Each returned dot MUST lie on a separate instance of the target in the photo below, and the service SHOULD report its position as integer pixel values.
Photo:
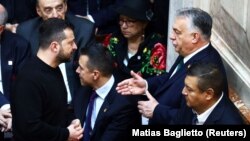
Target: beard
(63, 58)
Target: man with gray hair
(191, 38)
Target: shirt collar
(104, 90)
(203, 117)
(194, 53)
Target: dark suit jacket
(224, 113)
(117, 115)
(14, 52)
(102, 11)
(83, 31)
(168, 91)
(20, 10)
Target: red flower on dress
(106, 40)
(158, 57)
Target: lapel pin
(105, 110)
(10, 63)
(139, 57)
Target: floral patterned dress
(150, 59)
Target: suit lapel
(81, 101)
(217, 112)
(197, 57)
(171, 80)
(175, 64)
(7, 54)
(105, 107)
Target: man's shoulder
(10, 37)
(78, 21)
(207, 54)
(29, 25)
(31, 68)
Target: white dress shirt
(203, 117)
(190, 56)
(102, 92)
(62, 67)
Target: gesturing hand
(133, 86)
(146, 108)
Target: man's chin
(66, 60)
(83, 84)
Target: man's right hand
(11, 27)
(75, 130)
(4, 122)
(132, 86)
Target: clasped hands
(5, 120)
(75, 130)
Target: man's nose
(54, 13)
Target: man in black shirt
(39, 99)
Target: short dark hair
(200, 20)
(99, 58)
(209, 76)
(52, 30)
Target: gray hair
(3, 15)
(199, 20)
(37, 1)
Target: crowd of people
(58, 82)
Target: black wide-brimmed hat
(136, 9)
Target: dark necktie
(180, 65)
(87, 128)
(194, 119)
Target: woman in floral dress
(134, 47)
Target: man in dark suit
(205, 99)
(83, 31)
(113, 115)
(19, 10)
(191, 39)
(14, 52)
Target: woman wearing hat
(134, 47)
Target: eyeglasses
(128, 22)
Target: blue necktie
(87, 128)
(194, 119)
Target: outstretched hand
(146, 108)
(132, 86)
